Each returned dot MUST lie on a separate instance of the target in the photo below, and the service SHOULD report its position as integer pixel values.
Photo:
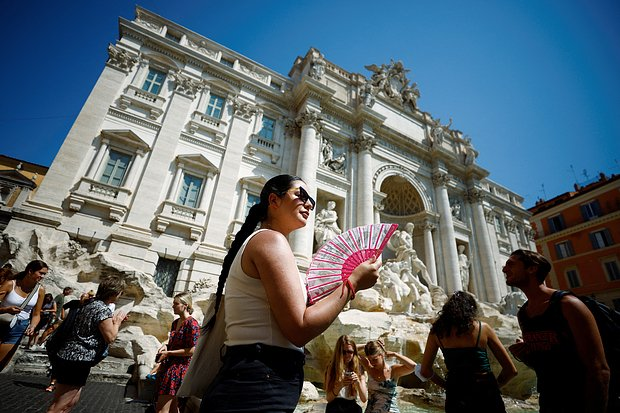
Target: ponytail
(257, 213)
(277, 185)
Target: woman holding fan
(267, 320)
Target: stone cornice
(340, 110)
(187, 54)
(128, 117)
(364, 114)
(202, 143)
(310, 88)
(334, 180)
(271, 169)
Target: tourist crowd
(267, 322)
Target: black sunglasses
(304, 196)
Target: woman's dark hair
(110, 287)
(34, 265)
(458, 312)
(6, 274)
(48, 298)
(277, 185)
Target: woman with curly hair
(345, 379)
(463, 340)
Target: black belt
(262, 351)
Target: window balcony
(113, 198)
(135, 96)
(209, 124)
(266, 146)
(182, 216)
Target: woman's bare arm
(509, 371)
(269, 256)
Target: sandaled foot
(50, 388)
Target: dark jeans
(256, 378)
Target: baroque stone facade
(179, 134)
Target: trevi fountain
(399, 309)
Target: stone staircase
(35, 362)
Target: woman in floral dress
(176, 355)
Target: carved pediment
(125, 137)
(197, 161)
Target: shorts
(71, 373)
(14, 335)
(256, 378)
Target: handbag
(9, 320)
(207, 359)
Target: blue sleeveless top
(466, 360)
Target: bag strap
(558, 295)
(27, 299)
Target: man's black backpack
(608, 322)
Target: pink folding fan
(334, 262)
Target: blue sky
(534, 83)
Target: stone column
(448, 239)
(94, 166)
(176, 181)
(307, 162)
(203, 100)
(485, 252)
(429, 248)
(147, 197)
(63, 173)
(241, 204)
(363, 146)
(136, 166)
(206, 192)
(217, 227)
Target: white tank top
(249, 318)
(14, 299)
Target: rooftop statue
(391, 79)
